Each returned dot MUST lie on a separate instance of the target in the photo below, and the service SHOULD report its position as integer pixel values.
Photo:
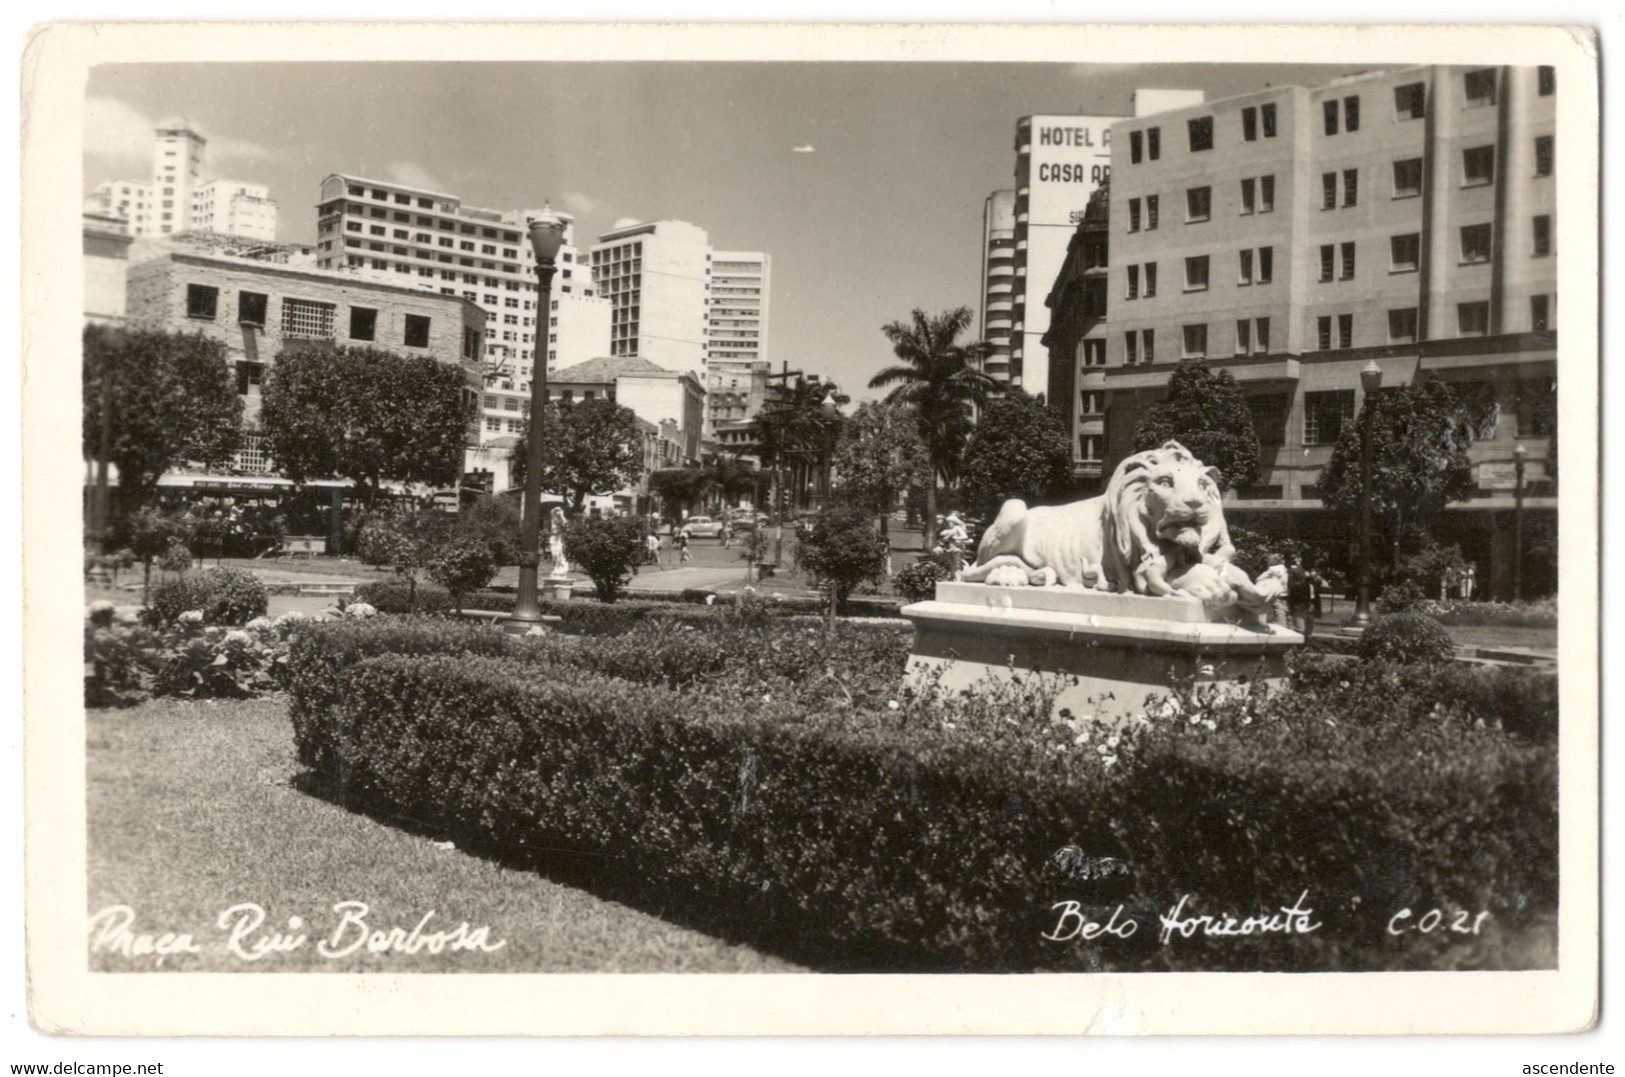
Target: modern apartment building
(178, 199)
(1076, 340)
(657, 278)
(431, 241)
(737, 359)
(998, 281)
(1295, 234)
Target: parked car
(703, 527)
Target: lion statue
(1158, 529)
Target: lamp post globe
(1370, 384)
(546, 237)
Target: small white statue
(555, 543)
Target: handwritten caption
(1076, 923)
(241, 931)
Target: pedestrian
(1300, 597)
(1468, 580)
(651, 546)
(725, 534)
(955, 541)
(682, 545)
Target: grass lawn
(1503, 636)
(193, 809)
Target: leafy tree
(365, 415)
(462, 564)
(842, 550)
(592, 447)
(608, 549)
(1420, 434)
(940, 378)
(150, 533)
(677, 488)
(403, 538)
(880, 458)
(1020, 448)
(795, 429)
(495, 522)
(173, 400)
(730, 477)
(1206, 413)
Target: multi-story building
(1295, 234)
(657, 277)
(737, 359)
(106, 247)
(179, 200)
(1060, 160)
(1077, 340)
(257, 308)
(998, 282)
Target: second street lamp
(1518, 455)
(546, 237)
(1370, 382)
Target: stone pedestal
(556, 588)
(1113, 650)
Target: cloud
(808, 148)
(236, 149)
(412, 174)
(115, 131)
(580, 203)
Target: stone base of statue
(1109, 651)
(556, 588)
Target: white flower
(238, 638)
(1108, 760)
(1206, 671)
(289, 618)
(709, 599)
(258, 624)
(102, 607)
(1081, 738)
(191, 617)
(767, 698)
(1113, 740)
(1211, 725)
(360, 609)
(891, 704)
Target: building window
(249, 376)
(1409, 101)
(1323, 333)
(305, 318)
(1094, 353)
(1475, 243)
(1148, 345)
(1150, 212)
(201, 301)
(363, 323)
(1328, 190)
(1351, 186)
(1261, 334)
(1325, 414)
(1092, 402)
(1201, 130)
(1246, 275)
(1195, 341)
(1249, 125)
(1543, 155)
(1402, 326)
(1472, 319)
(1133, 283)
(1243, 336)
(1408, 177)
(251, 308)
(1329, 109)
(1089, 448)
(1479, 87)
(1196, 273)
(1130, 347)
(1547, 79)
(1405, 253)
(1348, 261)
(1246, 197)
(1539, 313)
(1198, 204)
(1345, 330)
(417, 331)
(1327, 257)
(1351, 113)
(1478, 166)
(1135, 141)
(1153, 142)
(1269, 415)
(1266, 264)
(1134, 215)
(1150, 280)
(1266, 113)
(1543, 237)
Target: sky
(865, 182)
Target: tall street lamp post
(1370, 382)
(546, 237)
(831, 413)
(1518, 455)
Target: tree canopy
(678, 487)
(366, 415)
(1206, 413)
(1020, 448)
(1420, 435)
(941, 379)
(174, 401)
(592, 447)
(880, 457)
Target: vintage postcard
(786, 530)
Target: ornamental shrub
(1406, 638)
(396, 596)
(918, 582)
(461, 565)
(126, 664)
(842, 550)
(232, 596)
(1402, 597)
(608, 549)
(171, 597)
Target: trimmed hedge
(863, 831)
(1406, 638)
(225, 596)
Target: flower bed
(827, 811)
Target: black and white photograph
(721, 516)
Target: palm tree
(941, 379)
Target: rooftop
(609, 367)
